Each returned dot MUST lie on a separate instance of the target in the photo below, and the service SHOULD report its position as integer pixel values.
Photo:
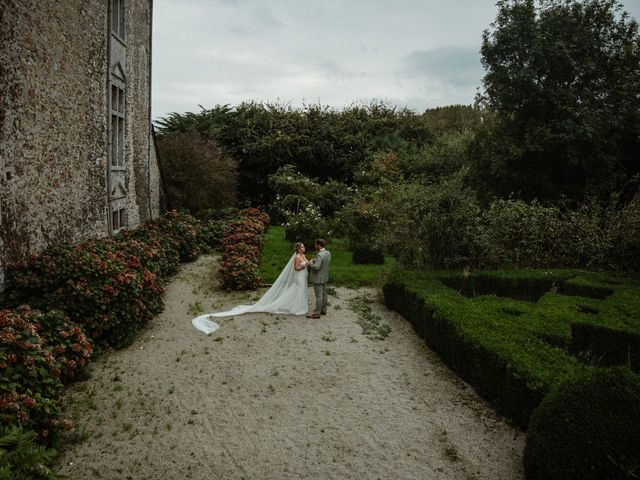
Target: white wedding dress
(288, 295)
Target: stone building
(77, 158)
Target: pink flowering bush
(103, 289)
(241, 249)
(30, 376)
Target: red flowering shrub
(245, 225)
(156, 253)
(214, 226)
(238, 273)
(67, 342)
(241, 249)
(254, 240)
(30, 386)
(256, 214)
(107, 292)
(179, 231)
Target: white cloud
(420, 53)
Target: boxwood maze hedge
(514, 335)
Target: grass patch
(277, 252)
(372, 327)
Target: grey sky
(419, 53)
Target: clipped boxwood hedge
(512, 350)
(367, 255)
(587, 428)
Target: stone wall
(53, 122)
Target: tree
(197, 173)
(562, 96)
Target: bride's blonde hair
(296, 246)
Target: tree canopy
(563, 84)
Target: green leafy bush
(520, 234)
(22, 458)
(429, 225)
(306, 227)
(587, 428)
(368, 255)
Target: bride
(288, 294)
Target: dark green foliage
(321, 142)
(214, 224)
(22, 459)
(587, 428)
(451, 118)
(429, 225)
(606, 346)
(368, 255)
(197, 173)
(562, 97)
(513, 351)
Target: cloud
(455, 66)
(263, 16)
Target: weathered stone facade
(56, 69)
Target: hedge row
(514, 351)
(241, 249)
(97, 295)
(541, 361)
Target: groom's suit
(318, 277)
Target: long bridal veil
(286, 295)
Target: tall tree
(562, 89)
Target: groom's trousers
(320, 291)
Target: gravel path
(281, 397)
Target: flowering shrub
(305, 226)
(252, 239)
(256, 214)
(107, 292)
(245, 225)
(238, 273)
(156, 254)
(179, 231)
(30, 386)
(69, 345)
(241, 249)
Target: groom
(318, 277)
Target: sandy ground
(280, 397)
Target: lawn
(343, 271)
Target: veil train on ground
(282, 297)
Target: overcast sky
(418, 53)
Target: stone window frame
(118, 19)
(118, 219)
(118, 108)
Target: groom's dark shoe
(313, 315)
(323, 313)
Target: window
(118, 220)
(117, 126)
(117, 18)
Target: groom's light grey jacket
(320, 267)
